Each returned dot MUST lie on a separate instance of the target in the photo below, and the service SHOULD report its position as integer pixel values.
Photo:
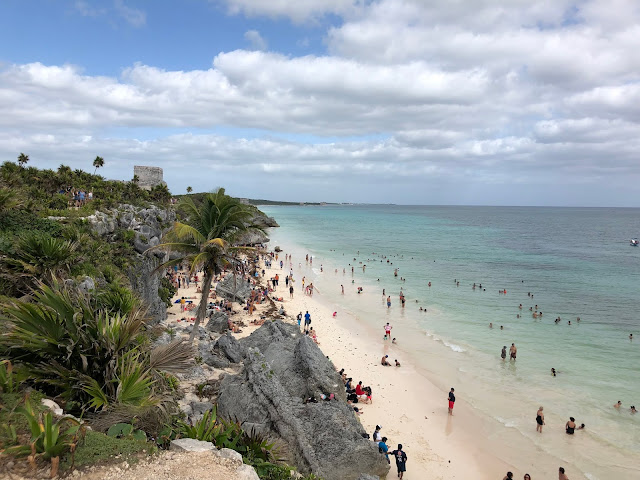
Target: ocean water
(575, 262)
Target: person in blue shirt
(383, 448)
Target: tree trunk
(204, 300)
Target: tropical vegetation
(206, 239)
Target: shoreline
(412, 403)
(411, 412)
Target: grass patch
(9, 401)
(99, 448)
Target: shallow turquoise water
(575, 262)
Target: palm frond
(174, 357)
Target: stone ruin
(148, 177)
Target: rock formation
(234, 288)
(281, 368)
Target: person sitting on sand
(397, 363)
(394, 340)
(384, 361)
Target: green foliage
(42, 256)
(48, 438)
(206, 239)
(59, 202)
(10, 378)
(123, 430)
(98, 447)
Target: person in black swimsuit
(539, 420)
(571, 427)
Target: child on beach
(452, 401)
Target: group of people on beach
(561, 475)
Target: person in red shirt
(359, 390)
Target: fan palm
(98, 163)
(42, 256)
(85, 350)
(207, 239)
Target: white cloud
(133, 16)
(488, 94)
(255, 40)
(298, 10)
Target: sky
(471, 102)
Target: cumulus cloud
(255, 40)
(479, 95)
(133, 16)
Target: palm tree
(189, 189)
(23, 159)
(98, 163)
(135, 179)
(207, 239)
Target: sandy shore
(410, 409)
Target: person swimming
(553, 372)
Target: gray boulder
(212, 358)
(190, 445)
(364, 476)
(228, 346)
(234, 288)
(218, 323)
(87, 285)
(324, 438)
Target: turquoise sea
(576, 262)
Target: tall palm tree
(189, 189)
(23, 159)
(207, 239)
(98, 163)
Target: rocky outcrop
(234, 288)
(221, 354)
(146, 284)
(258, 237)
(148, 224)
(281, 368)
(218, 322)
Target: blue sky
(404, 101)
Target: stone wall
(148, 177)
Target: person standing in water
(539, 420)
(513, 352)
(503, 354)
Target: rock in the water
(234, 288)
(324, 438)
(190, 445)
(218, 323)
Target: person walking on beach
(389, 302)
(307, 321)
(512, 352)
(401, 460)
(452, 401)
(539, 420)
(291, 291)
(561, 474)
(299, 318)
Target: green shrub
(98, 447)
(124, 430)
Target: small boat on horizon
(634, 242)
